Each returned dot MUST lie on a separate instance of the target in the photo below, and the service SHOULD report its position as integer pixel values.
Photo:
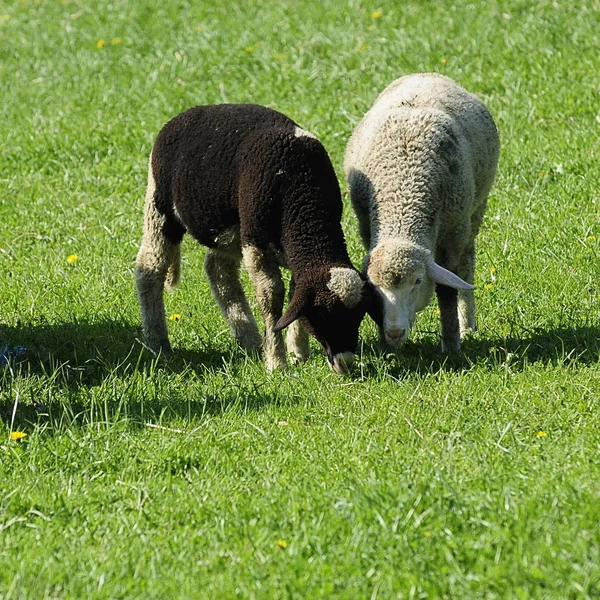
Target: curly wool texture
(392, 262)
(246, 181)
(420, 166)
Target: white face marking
(299, 132)
(342, 362)
(346, 284)
(400, 306)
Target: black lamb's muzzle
(339, 362)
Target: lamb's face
(331, 304)
(398, 272)
(334, 317)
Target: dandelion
(175, 317)
(282, 544)
(249, 49)
(115, 41)
(591, 238)
(17, 436)
(100, 44)
(427, 534)
(197, 28)
(436, 311)
(377, 14)
(444, 61)
(362, 47)
(72, 259)
(488, 287)
(542, 434)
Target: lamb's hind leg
(157, 260)
(296, 338)
(222, 270)
(263, 269)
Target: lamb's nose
(396, 335)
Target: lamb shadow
(86, 353)
(559, 346)
(72, 356)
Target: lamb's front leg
(466, 298)
(296, 338)
(447, 301)
(265, 276)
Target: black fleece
(241, 165)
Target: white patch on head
(299, 132)
(400, 307)
(342, 362)
(346, 284)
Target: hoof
(275, 365)
(298, 358)
(450, 346)
(248, 340)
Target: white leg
(155, 258)
(222, 270)
(270, 292)
(296, 338)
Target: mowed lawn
(419, 476)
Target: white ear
(438, 274)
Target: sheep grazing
(420, 166)
(249, 184)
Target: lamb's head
(404, 274)
(331, 303)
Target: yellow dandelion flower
(175, 317)
(249, 49)
(17, 436)
(197, 28)
(542, 434)
(100, 44)
(444, 61)
(72, 259)
(436, 311)
(427, 534)
(116, 41)
(377, 14)
(493, 270)
(281, 544)
(488, 286)
(591, 238)
(362, 47)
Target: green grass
(204, 477)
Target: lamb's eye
(418, 281)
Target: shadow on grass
(75, 358)
(88, 352)
(560, 346)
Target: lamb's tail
(174, 270)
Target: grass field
(419, 476)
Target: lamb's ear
(301, 299)
(438, 274)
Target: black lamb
(246, 182)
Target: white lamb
(420, 166)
